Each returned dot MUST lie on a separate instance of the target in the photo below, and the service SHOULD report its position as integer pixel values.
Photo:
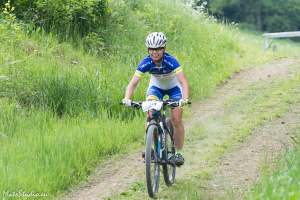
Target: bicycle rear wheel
(152, 161)
(169, 169)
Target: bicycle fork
(161, 142)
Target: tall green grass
(42, 153)
(47, 74)
(60, 112)
(283, 183)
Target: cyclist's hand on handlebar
(183, 102)
(126, 102)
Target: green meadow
(59, 102)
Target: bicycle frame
(159, 144)
(158, 119)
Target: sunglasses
(151, 50)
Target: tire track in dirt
(118, 174)
(214, 107)
(110, 177)
(241, 167)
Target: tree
(264, 15)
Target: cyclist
(167, 78)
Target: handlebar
(170, 103)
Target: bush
(93, 44)
(69, 19)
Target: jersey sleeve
(173, 62)
(143, 67)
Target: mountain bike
(160, 146)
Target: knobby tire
(152, 165)
(169, 169)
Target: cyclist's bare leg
(178, 127)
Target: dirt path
(118, 174)
(241, 167)
(109, 178)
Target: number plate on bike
(152, 105)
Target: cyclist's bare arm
(131, 86)
(184, 83)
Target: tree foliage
(68, 18)
(263, 15)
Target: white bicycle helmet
(156, 40)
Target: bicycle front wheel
(152, 161)
(169, 169)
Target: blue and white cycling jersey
(163, 78)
